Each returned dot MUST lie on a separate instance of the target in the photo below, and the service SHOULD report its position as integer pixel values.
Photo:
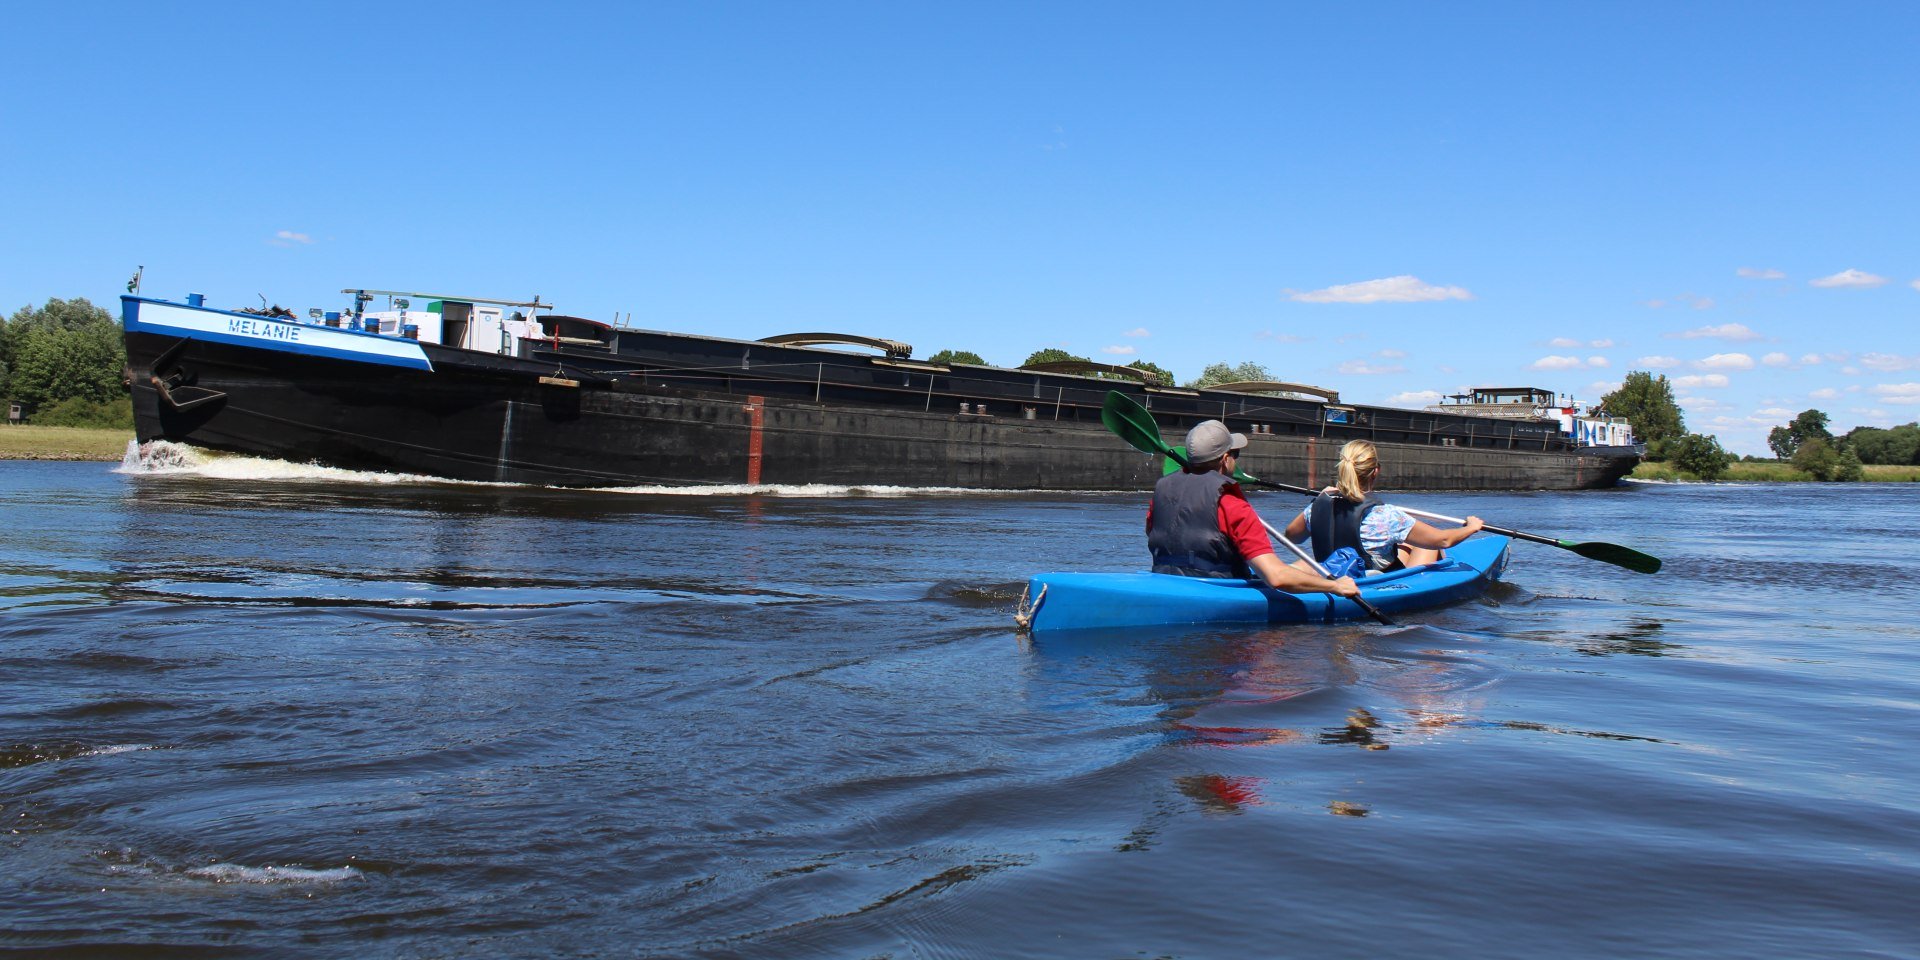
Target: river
(250, 708)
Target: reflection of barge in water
(478, 390)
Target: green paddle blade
(1172, 465)
(1133, 423)
(1615, 554)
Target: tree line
(63, 363)
(1647, 402)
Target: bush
(1818, 458)
(1849, 468)
(1700, 455)
(81, 412)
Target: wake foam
(235, 873)
(164, 458)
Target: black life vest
(1335, 522)
(1186, 538)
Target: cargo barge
(490, 390)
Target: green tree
(1817, 458)
(1154, 369)
(1848, 468)
(1809, 425)
(1647, 403)
(1700, 455)
(67, 349)
(1050, 355)
(957, 356)
(1216, 373)
(1899, 445)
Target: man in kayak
(1383, 535)
(1200, 524)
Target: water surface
(251, 708)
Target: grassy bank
(62, 443)
(1773, 473)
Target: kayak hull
(1087, 601)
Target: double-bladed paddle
(1134, 423)
(1179, 456)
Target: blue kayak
(1082, 601)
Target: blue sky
(1392, 200)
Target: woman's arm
(1429, 537)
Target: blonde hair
(1358, 462)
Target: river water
(250, 708)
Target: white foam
(802, 490)
(235, 873)
(108, 751)
(165, 458)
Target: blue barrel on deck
(333, 318)
(196, 299)
(373, 324)
(411, 331)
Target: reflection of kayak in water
(1079, 601)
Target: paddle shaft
(1490, 528)
(1371, 610)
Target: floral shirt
(1385, 527)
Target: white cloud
(1137, 332)
(1657, 362)
(1280, 337)
(1414, 398)
(1915, 284)
(1693, 381)
(1556, 363)
(1725, 331)
(1119, 350)
(1725, 361)
(1401, 289)
(1810, 359)
(1849, 278)
(1596, 361)
(1392, 354)
(1602, 344)
(1777, 359)
(1703, 404)
(1850, 371)
(1755, 273)
(1703, 303)
(1774, 412)
(1825, 393)
(287, 238)
(1888, 362)
(1600, 388)
(1565, 343)
(1897, 392)
(1365, 369)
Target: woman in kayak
(1200, 524)
(1383, 535)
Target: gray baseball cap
(1211, 440)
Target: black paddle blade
(1615, 554)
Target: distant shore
(62, 443)
(1774, 472)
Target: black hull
(658, 412)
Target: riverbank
(25, 442)
(1774, 472)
